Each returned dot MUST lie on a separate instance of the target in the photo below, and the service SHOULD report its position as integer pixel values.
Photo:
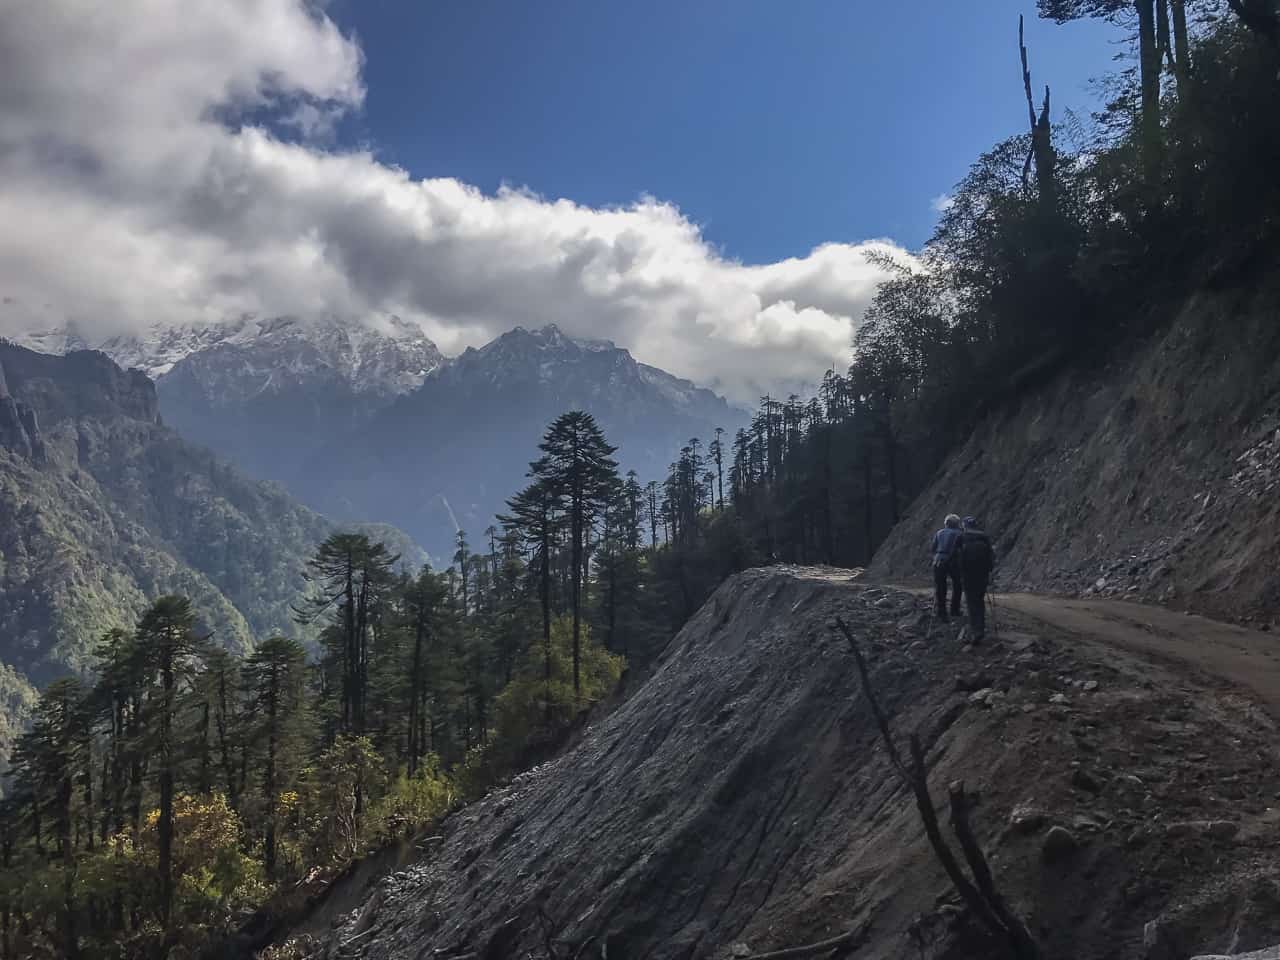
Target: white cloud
(133, 190)
(942, 203)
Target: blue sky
(775, 125)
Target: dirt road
(1245, 658)
(1249, 659)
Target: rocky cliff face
(118, 509)
(741, 801)
(1154, 478)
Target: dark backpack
(976, 550)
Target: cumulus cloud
(139, 183)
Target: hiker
(946, 566)
(977, 558)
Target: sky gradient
(775, 126)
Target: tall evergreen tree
(578, 463)
(274, 676)
(167, 643)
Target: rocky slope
(741, 801)
(1154, 478)
(459, 446)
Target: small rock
(1059, 843)
(1222, 829)
(980, 696)
(1026, 819)
(1155, 942)
(1100, 583)
(1090, 686)
(882, 602)
(740, 950)
(966, 682)
(1060, 698)
(1085, 781)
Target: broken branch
(853, 938)
(881, 720)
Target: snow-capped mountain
(267, 392)
(456, 448)
(368, 420)
(382, 355)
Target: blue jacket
(946, 546)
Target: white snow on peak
(378, 354)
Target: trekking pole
(995, 624)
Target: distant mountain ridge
(266, 393)
(295, 401)
(457, 447)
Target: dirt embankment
(1156, 478)
(741, 801)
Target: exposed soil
(1154, 477)
(741, 800)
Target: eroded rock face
(742, 799)
(1154, 478)
(83, 383)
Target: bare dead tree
(980, 893)
(1041, 148)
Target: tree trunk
(1149, 119)
(165, 826)
(415, 693)
(269, 779)
(1181, 47)
(224, 746)
(70, 941)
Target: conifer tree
(166, 644)
(578, 463)
(274, 676)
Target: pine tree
(166, 643)
(274, 676)
(352, 574)
(535, 519)
(578, 463)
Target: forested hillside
(177, 790)
(111, 509)
(105, 509)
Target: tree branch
(1019, 936)
(850, 940)
(983, 899)
(881, 721)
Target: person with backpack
(977, 559)
(946, 566)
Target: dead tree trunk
(980, 893)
